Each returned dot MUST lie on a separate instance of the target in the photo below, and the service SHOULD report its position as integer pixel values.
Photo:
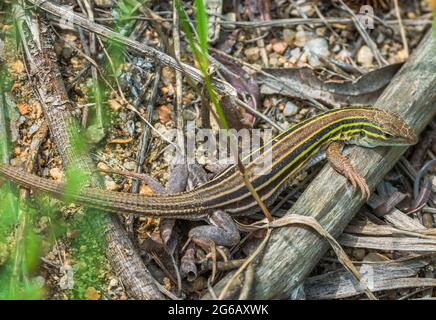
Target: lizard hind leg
(222, 230)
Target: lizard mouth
(410, 139)
(413, 138)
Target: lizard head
(385, 129)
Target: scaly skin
(292, 152)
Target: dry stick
(261, 45)
(248, 284)
(145, 138)
(281, 23)
(64, 127)
(180, 123)
(221, 87)
(293, 252)
(402, 30)
(310, 222)
(179, 78)
(361, 29)
(158, 56)
(223, 265)
(91, 51)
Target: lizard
(292, 151)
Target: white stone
(290, 109)
(315, 48)
(302, 37)
(230, 16)
(130, 165)
(289, 36)
(433, 183)
(365, 56)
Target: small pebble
(289, 36)
(130, 165)
(279, 47)
(315, 48)
(273, 59)
(365, 56)
(114, 105)
(344, 55)
(302, 37)
(102, 167)
(189, 115)
(230, 16)
(113, 283)
(110, 184)
(290, 109)
(56, 173)
(252, 54)
(303, 9)
(336, 48)
(320, 32)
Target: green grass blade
(201, 56)
(202, 29)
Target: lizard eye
(388, 135)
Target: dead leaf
(92, 294)
(23, 108)
(146, 190)
(114, 105)
(120, 141)
(340, 284)
(17, 67)
(303, 84)
(233, 115)
(432, 5)
(164, 113)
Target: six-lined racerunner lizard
(292, 152)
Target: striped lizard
(292, 152)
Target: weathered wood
(292, 252)
(396, 217)
(411, 244)
(384, 276)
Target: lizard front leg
(344, 167)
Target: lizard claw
(358, 181)
(344, 167)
